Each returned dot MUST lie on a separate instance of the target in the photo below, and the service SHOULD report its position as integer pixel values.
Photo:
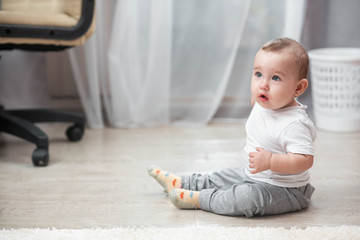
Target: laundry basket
(335, 79)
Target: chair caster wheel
(40, 157)
(75, 133)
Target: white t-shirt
(287, 130)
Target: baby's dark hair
(295, 48)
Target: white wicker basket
(335, 78)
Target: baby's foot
(168, 180)
(185, 199)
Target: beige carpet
(184, 233)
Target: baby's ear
(301, 87)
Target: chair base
(20, 123)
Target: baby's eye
(258, 74)
(276, 78)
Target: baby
(278, 151)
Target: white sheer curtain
(186, 62)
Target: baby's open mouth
(263, 97)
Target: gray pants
(231, 192)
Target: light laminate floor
(102, 181)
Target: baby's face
(274, 79)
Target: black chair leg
(26, 130)
(73, 133)
(20, 124)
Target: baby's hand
(259, 160)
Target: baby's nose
(264, 84)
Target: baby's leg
(168, 180)
(254, 199)
(220, 180)
(193, 184)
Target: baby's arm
(288, 163)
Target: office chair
(43, 25)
